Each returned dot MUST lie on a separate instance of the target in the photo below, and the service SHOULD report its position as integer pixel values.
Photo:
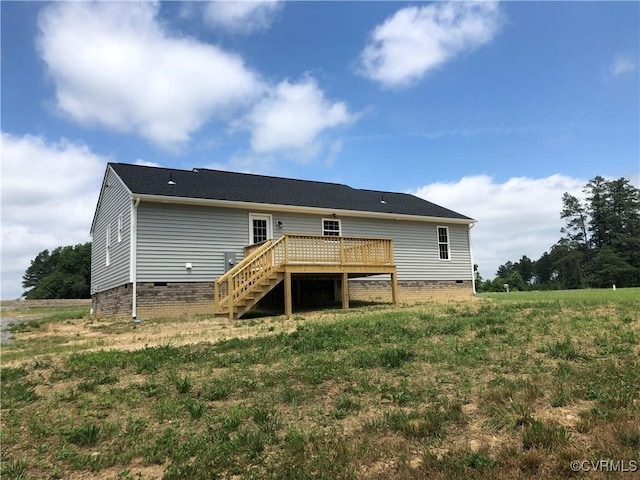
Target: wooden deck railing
(261, 260)
(329, 250)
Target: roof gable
(241, 187)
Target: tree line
(600, 245)
(63, 273)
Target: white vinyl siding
(169, 236)
(107, 242)
(114, 200)
(415, 243)
(119, 228)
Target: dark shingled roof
(241, 187)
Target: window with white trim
(259, 228)
(443, 243)
(108, 245)
(331, 227)
(119, 228)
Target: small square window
(331, 227)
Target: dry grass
(499, 388)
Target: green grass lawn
(597, 295)
(510, 386)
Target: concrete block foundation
(156, 299)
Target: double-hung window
(443, 243)
(331, 227)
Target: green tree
(600, 245)
(568, 261)
(525, 268)
(577, 219)
(65, 273)
(625, 223)
(600, 211)
(606, 228)
(609, 268)
(504, 271)
(479, 282)
(509, 274)
(544, 272)
(40, 267)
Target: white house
(218, 242)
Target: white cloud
(241, 16)
(114, 65)
(416, 40)
(49, 193)
(518, 217)
(292, 117)
(623, 64)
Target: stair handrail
(218, 295)
(246, 265)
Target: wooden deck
(267, 264)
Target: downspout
(134, 256)
(473, 273)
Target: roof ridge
(273, 176)
(156, 167)
(382, 191)
(216, 170)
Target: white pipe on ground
(473, 273)
(134, 254)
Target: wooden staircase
(239, 289)
(252, 296)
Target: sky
(493, 110)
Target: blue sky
(491, 109)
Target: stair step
(253, 294)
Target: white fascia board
(298, 209)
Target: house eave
(298, 209)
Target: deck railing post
(394, 288)
(288, 299)
(230, 295)
(342, 252)
(216, 297)
(345, 291)
(286, 249)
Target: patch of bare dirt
(91, 335)
(121, 334)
